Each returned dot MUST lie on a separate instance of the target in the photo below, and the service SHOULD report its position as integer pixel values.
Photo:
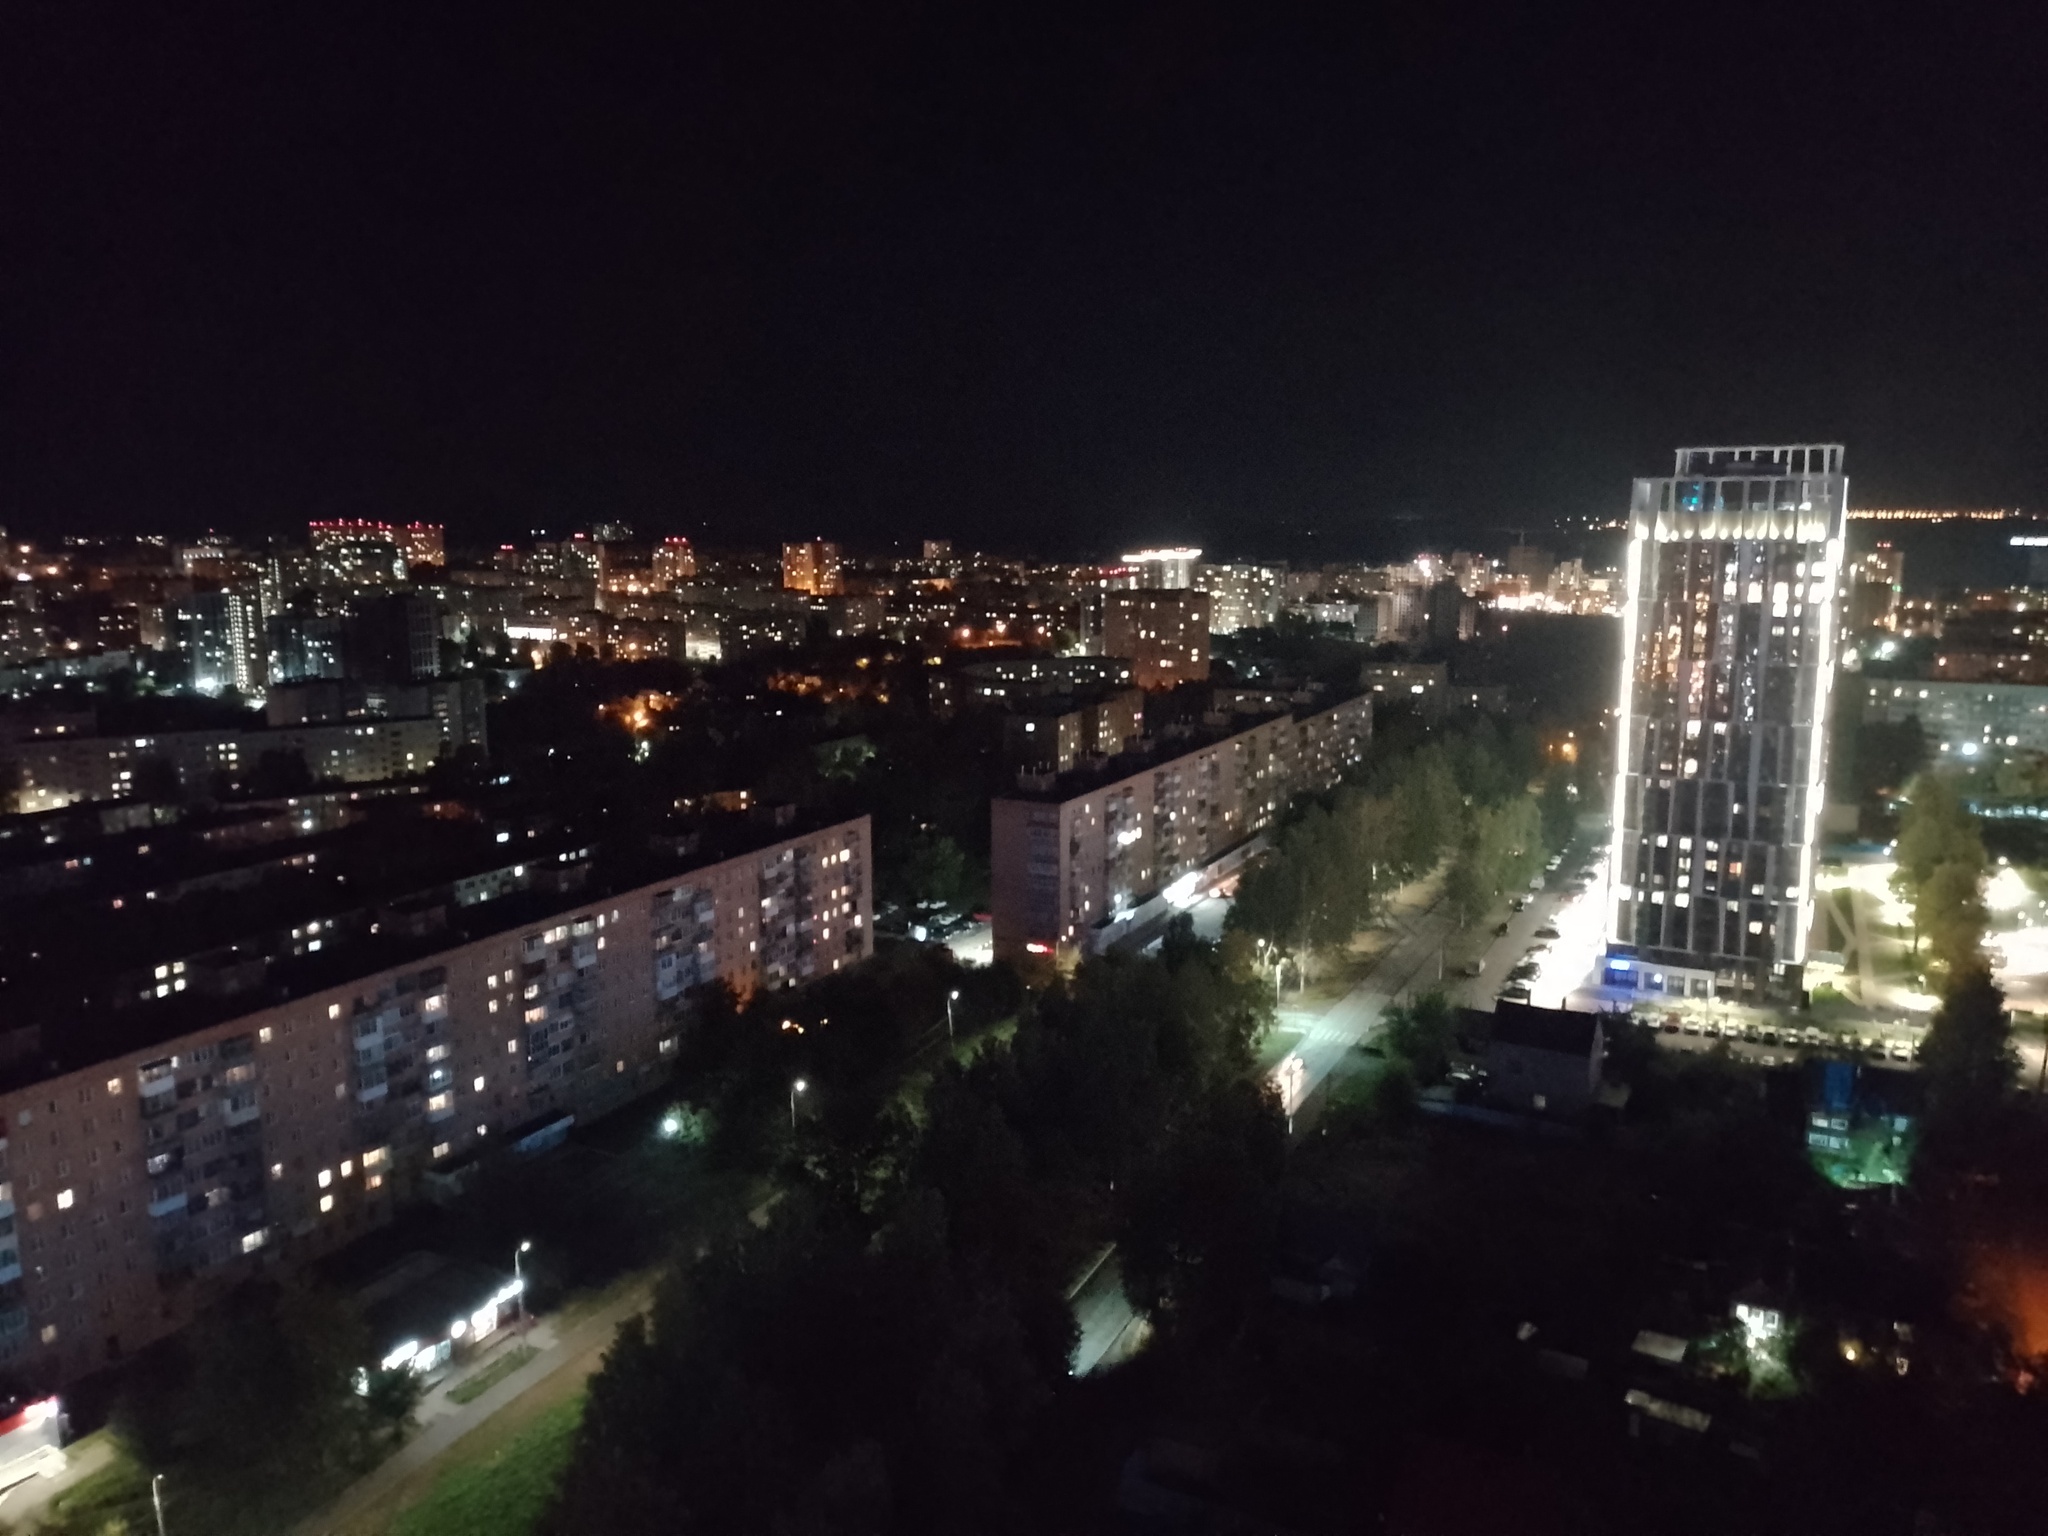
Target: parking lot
(1776, 1042)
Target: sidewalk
(565, 1354)
(29, 1500)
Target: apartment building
(1081, 861)
(1987, 722)
(1164, 635)
(1055, 735)
(1240, 596)
(1734, 567)
(138, 1183)
(1421, 684)
(60, 771)
(811, 567)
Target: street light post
(951, 998)
(519, 1279)
(156, 1499)
(795, 1088)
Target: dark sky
(1034, 278)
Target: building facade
(1076, 862)
(1734, 564)
(811, 567)
(56, 772)
(222, 636)
(1988, 722)
(136, 1188)
(1240, 596)
(1164, 635)
(1876, 581)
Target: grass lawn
(505, 1492)
(474, 1387)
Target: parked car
(1535, 882)
(1500, 930)
(1899, 1050)
(1671, 1026)
(1525, 971)
(1474, 967)
(1546, 932)
(1515, 993)
(1770, 1037)
(1752, 1032)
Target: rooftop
(1563, 1030)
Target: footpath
(567, 1357)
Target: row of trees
(1336, 862)
(883, 1355)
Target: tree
(1935, 829)
(1558, 807)
(1421, 1032)
(156, 781)
(280, 771)
(1948, 908)
(255, 1413)
(929, 876)
(1968, 1064)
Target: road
(1107, 1327)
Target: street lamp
(952, 997)
(795, 1088)
(156, 1498)
(519, 1279)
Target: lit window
(478, 1085)
(437, 1102)
(376, 1157)
(65, 1199)
(276, 1171)
(49, 1333)
(334, 1010)
(326, 1203)
(347, 1167)
(374, 1181)
(251, 1241)
(441, 1149)
(511, 1047)
(326, 1177)
(113, 1085)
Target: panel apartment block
(136, 1188)
(60, 771)
(1073, 864)
(1734, 563)
(1164, 635)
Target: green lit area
(1859, 1151)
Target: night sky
(1038, 279)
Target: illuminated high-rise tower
(1734, 566)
